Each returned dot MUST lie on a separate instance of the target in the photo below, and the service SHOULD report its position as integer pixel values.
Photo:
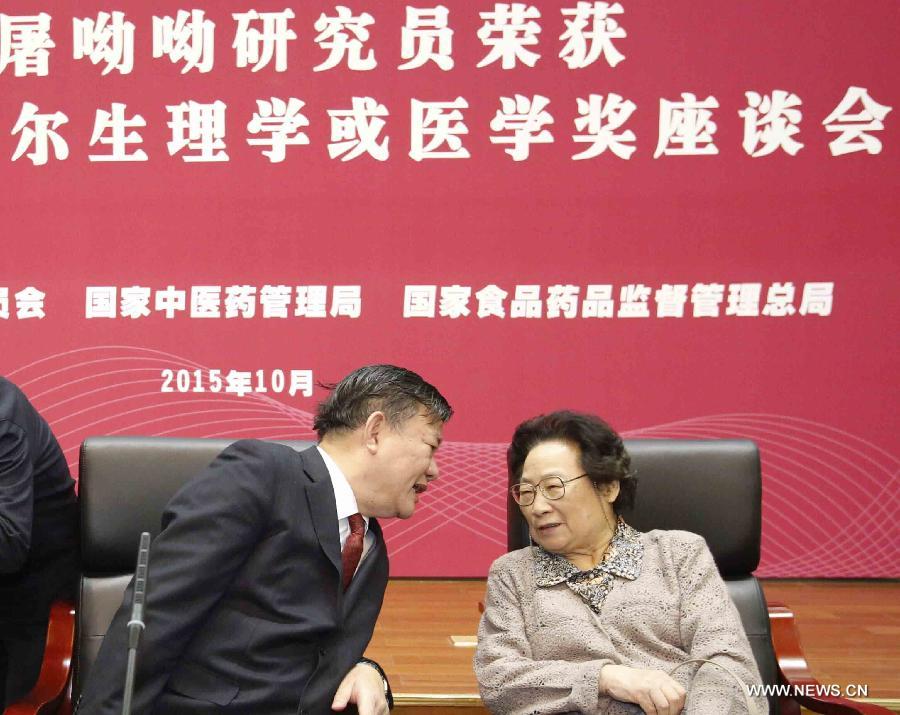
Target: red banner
(678, 216)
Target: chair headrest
(124, 485)
(711, 487)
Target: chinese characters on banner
(634, 301)
(510, 36)
(707, 300)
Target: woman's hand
(652, 690)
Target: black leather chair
(714, 488)
(124, 484)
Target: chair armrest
(794, 671)
(50, 688)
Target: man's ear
(373, 430)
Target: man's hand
(364, 687)
(652, 690)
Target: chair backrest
(712, 488)
(124, 485)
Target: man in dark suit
(255, 604)
(38, 538)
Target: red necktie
(353, 548)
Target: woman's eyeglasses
(552, 487)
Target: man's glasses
(552, 488)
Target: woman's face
(579, 522)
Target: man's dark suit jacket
(244, 610)
(38, 514)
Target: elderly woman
(597, 617)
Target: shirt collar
(344, 498)
(624, 558)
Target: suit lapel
(320, 495)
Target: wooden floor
(850, 632)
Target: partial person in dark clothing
(38, 538)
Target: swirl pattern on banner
(830, 498)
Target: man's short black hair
(396, 391)
(603, 455)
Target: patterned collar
(623, 558)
